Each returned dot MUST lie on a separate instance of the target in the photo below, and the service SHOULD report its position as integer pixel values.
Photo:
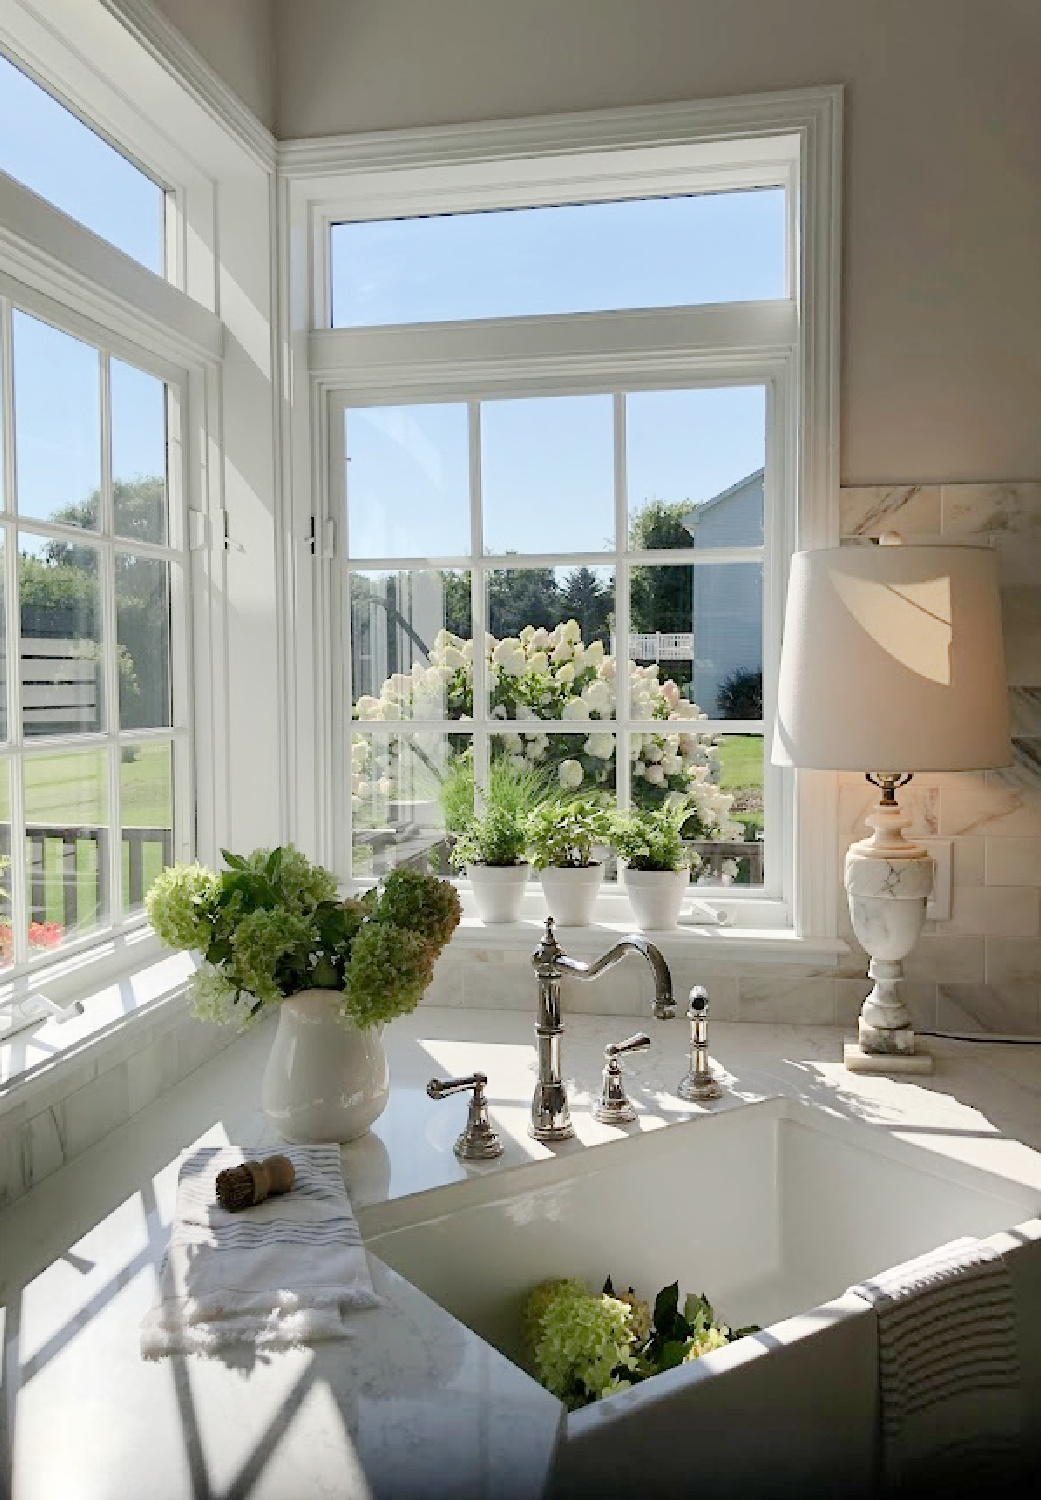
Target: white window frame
(54, 268)
(792, 139)
(19, 747)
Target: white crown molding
(592, 131)
(163, 42)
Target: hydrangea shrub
(537, 678)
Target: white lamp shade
(893, 661)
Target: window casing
(95, 763)
(789, 345)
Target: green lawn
(741, 758)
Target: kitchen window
(93, 705)
(614, 534)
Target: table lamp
(892, 662)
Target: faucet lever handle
(440, 1088)
(614, 1106)
(631, 1044)
(478, 1142)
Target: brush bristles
(236, 1188)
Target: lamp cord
(982, 1036)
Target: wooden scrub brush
(250, 1184)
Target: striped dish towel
(284, 1273)
(949, 1373)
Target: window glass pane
(408, 481)
(6, 910)
(547, 474)
(138, 453)
(550, 649)
(737, 771)
(642, 252)
(57, 406)
(702, 626)
(66, 844)
(146, 806)
(51, 151)
(695, 467)
(411, 647)
(143, 640)
(580, 765)
(61, 665)
(396, 801)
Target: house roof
(692, 517)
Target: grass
(741, 761)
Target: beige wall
(237, 39)
(942, 304)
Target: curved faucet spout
(664, 1003)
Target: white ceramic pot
(656, 897)
(498, 891)
(570, 892)
(326, 1079)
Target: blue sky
(548, 464)
(547, 467)
(56, 377)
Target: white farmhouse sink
(772, 1210)
(769, 1209)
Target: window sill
(106, 994)
(744, 944)
(756, 930)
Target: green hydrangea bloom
(420, 903)
(179, 903)
(712, 1338)
(389, 969)
(301, 884)
(213, 996)
(582, 1341)
(260, 940)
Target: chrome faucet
(550, 1116)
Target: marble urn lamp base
(888, 882)
(892, 656)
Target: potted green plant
(561, 835)
(490, 842)
(273, 934)
(657, 863)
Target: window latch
(322, 538)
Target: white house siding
(727, 604)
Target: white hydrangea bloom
(601, 746)
(570, 774)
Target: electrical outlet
(938, 906)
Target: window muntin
(91, 735)
(50, 150)
(570, 258)
(636, 737)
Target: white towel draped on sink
(949, 1372)
(287, 1272)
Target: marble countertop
(414, 1404)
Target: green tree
(59, 594)
(456, 587)
(522, 596)
(661, 598)
(589, 602)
